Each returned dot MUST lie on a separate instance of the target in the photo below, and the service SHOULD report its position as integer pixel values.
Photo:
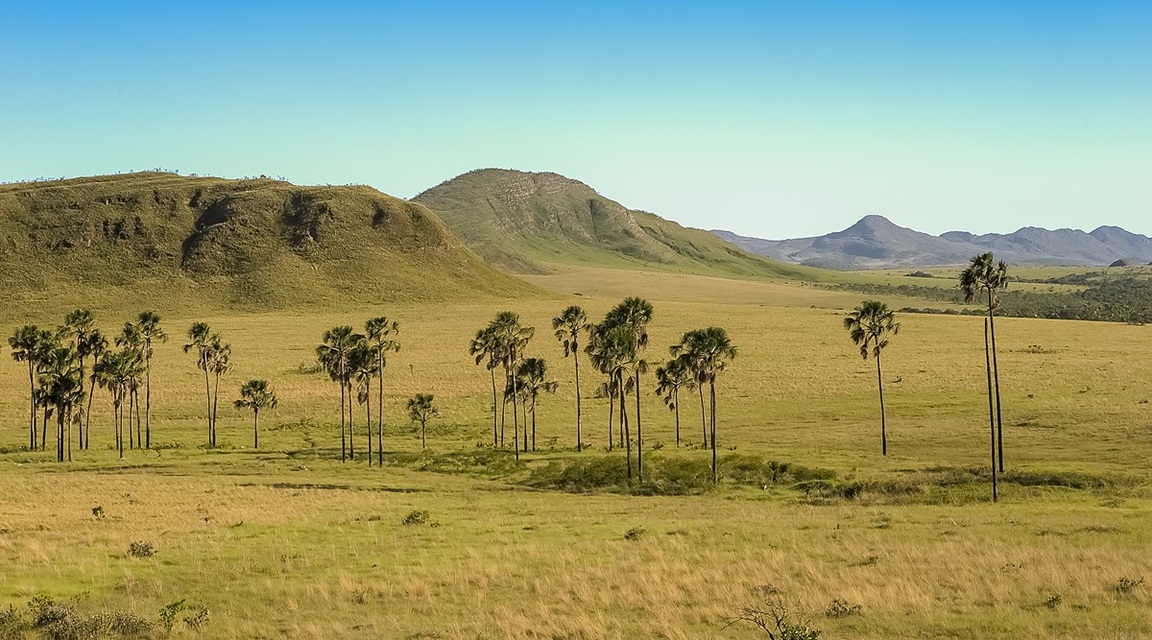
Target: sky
(772, 119)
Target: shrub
(141, 549)
(1054, 601)
(416, 517)
(1127, 586)
(842, 608)
(634, 534)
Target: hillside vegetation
(165, 240)
(525, 221)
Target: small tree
(420, 409)
(256, 395)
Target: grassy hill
(525, 221)
(171, 242)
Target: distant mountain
(524, 221)
(875, 242)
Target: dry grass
(287, 542)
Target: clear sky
(771, 118)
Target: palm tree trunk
(576, 359)
(208, 400)
(88, 411)
(703, 414)
(60, 433)
(495, 431)
(31, 406)
(515, 429)
(676, 408)
(351, 421)
(996, 383)
(215, 404)
(639, 435)
(148, 402)
(139, 442)
(991, 413)
(423, 425)
(515, 394)
(533, 421)
(131, 440)
(379, 415)
(343, 418)
(624, 434)
(368, 417)
(119, 411)
(883, 429)
(504, 406)
(255, 428)
(80, 424)
(524, 412)
(611, 411)
(712, 404)
(70, 431)
(44, 432)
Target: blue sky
(775, 119)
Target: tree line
(61, 382)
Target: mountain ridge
(876, 242)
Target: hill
(875, 242)
(525, 221)
(166, 240)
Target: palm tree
(511, 340)
(612, 349)
(96, 346)
(148, 324)
(420, 409)
(635, 313)
(381, 333)
(532, 376)
(868, 326)
(485, 348)
(708, 352)
(220, 362)
(982, 276)
(131, 339)
(113, 372)
(669, 378)
(60, 383)
(256, 395)
(362, 367)
(27, 345)
(568, 326)
(77, 329)
(333, 356)
(200, 340)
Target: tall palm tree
(114, 372)
(27, 346)
(60, 381)
(200, 341)
(532, 375)
(95, 346)
(568, 326)
(256, 395)
(332, 354)
(708, 351)
(131, 339)
(635, 313)
(869, 326)
(381, 334)
(983, 276)
(220, 362)
(148, 324)
(511, 339)
(362, 368)
(76, 330)
(421, 409)
(612, 350)
(485, 348)
(669, 378)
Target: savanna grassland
(286, 541)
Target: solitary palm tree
(148, 324)
(333, 356)
(381, 333)
(869, 326)
(669, 378)
(420, 409)
(983, 276)
(708, 351)
(568, 326)
(485, 348)
(256, 395)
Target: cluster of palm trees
(353, 360)
(58, 373)
(214, 358)
(615, 347)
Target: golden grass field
(287, 542)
